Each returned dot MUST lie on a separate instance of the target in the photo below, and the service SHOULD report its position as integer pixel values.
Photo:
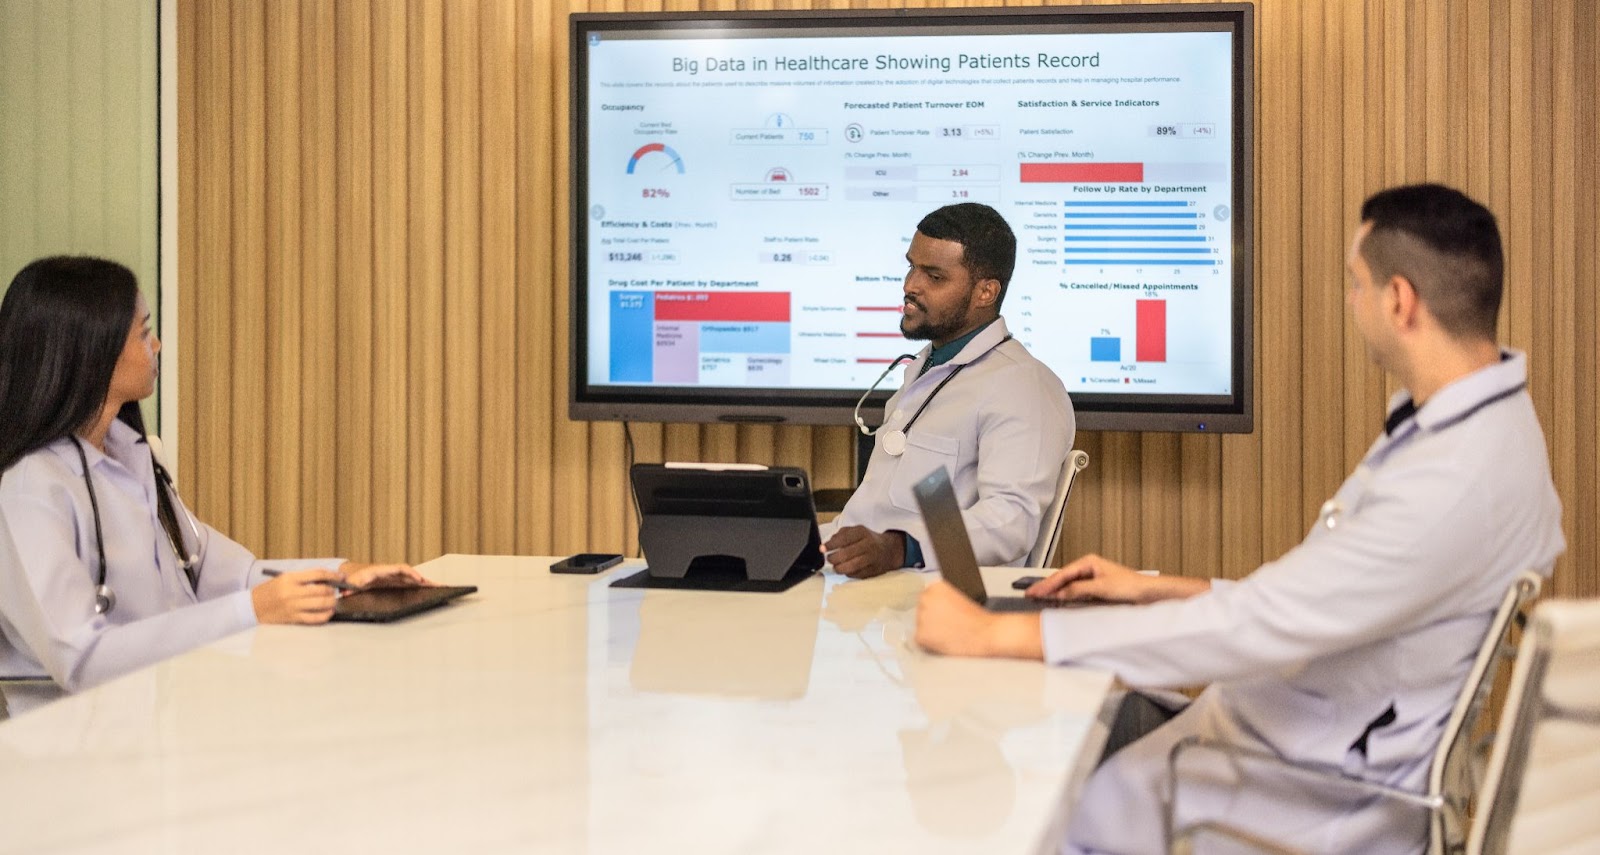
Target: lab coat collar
(1460, 398)
(986, 340)
(121, 444)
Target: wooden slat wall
(374, 254)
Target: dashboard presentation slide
(750, 201)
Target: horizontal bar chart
(1196, 250)
(1082, 173)
(1137, 215)
(1146, 262)
(1130, 203)
(1142, 226)
(1161, 238)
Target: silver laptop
(941, 513)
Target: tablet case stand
(724, 551)
(768, 547)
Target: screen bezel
(1188, 413)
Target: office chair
(1452, 777)
(1541, 792)
(1044, 546)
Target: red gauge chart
(653, 158)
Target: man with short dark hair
(1447, 250)
(1349, 650)
(974, 401)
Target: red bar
(1082, 173)
(869, 361)
(899, 308)
(1151, 338)
(879, 335)
(722, 306)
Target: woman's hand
(382, 575)
(302, 596)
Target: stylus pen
(341, 586)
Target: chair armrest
(1315, 771)
(1579, 715)
(1183, 843)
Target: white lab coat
(1002, 428)
(49, 563)
(1385, 608)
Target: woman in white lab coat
(102, 568)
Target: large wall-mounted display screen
(745, 187)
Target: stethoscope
(893, 443)
(104, 598)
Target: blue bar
(1162, 238)
(1147, 262)
(1191, 249)
(1150, 204)
(734, 337)
(633, 316)
(1105, 349)
(1113, 215)
(1140, 227)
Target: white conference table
(555, 713)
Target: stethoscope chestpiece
(893, 442)
(104, 599)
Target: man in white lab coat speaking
(974, 401)
(1350, 649)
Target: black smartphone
(586, 562)
(1026, 582)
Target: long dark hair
(63, 325)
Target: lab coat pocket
(1295, 722)
(925, 452)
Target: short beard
(927, 331)
(930, 330)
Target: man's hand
(949, 623)
(1093, 578)
(860, 553)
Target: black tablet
(381, 605)
(736, 527)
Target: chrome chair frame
(1559, 629)
(1453, 777)
(1044, 544)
